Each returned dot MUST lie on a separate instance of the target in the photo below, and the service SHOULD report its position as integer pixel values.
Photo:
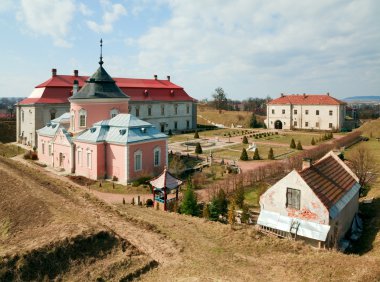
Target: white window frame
(80, 157)
(89, 159)
(82, 113)
(157, 161)
(114, 113)
(135, 155)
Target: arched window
(114, 113)
(138, 160)
(52, 113)
(157, 156)
(82, 118)
(72, 120)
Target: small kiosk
(163, 187)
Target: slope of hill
(43, 219)
(227, 118)
(362, 99)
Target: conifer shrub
(256, 155)
(312, 141)
(189, 203)
(206, 211)
(270, 154)
(149, 203)
(299, 146)
(292, 144)
(196, 135)
(245, 140)
(123, 201)
(244, 155)
(198, 149)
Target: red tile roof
(306, 99)
(329, 180)
(58, 89)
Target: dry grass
(227, 118)
(371, 128)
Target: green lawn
(286, 138)
(252, 194)
(234, 151)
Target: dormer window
(114, 113)
(82, 118)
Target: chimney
(155, 76)
(75, 87)
(306, 163)
(53, 72)
(76, 73)
(328, 93)
(304, 95)
(282, 95)
(168, 77)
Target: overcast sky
(250, 48)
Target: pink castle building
(99, 139)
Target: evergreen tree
(198, 148)
(239, 197)
(312, 141)
(245, 140)
(292, 144)
(270, 154)
(189, 204)
(253, 122)
(218, 205)
(244, 155)
(256, 155)
(245, 214)
(299, 146)
(196, 135)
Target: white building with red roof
(306, 111)
(160, 102)
(318, 204)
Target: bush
(270, 154)
(149, 203)
(196, 135)
(299, 146)
(244, 155)
(189, 203)
(292, 144)
(198, 149)
(256, 155)
(114, 178)
(140, 181)
(34, 156)
(312, 141)
(245, 140)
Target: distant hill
(366, 99)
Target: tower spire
(101, 53)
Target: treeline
(220, 101)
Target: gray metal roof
(50, 129)
(122, 129)
(62, 118)
(100, 86)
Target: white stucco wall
(311, 208)
(296, 117)
(170, 117)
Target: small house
(317, 204)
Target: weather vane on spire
(101, 55)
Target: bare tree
(363, 164)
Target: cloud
(267, 46)
(111, 15)
(48, 17)
(85, 10)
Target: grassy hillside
(227, 118)
(371, 128)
